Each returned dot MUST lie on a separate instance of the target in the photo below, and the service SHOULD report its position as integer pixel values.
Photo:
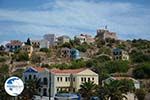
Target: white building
(51, 38)
(63, 39)
(119, 54)
(56, 80)
(44, 44)
(136, 82)
(85, 38)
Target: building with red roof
(58, 80)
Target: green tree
(4, 69)
(46, 50)
(117, 66)
(21, 56)
(142, 71)
(87, 90)
(30, 89)
(115, 90)
(66, 44)
(80, 63)
(35, 58)
(140, 94)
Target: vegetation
(142, 71)
(2, 59)
(35, 58)
(87, 90)
(21, 56)
(139, 57)
(82, 47)
(140, 94)
(30, 89)
(115, 90)
(117, 66)
(46, 50)
(4, 69)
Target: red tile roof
(67, 71)
(15, 43)
(126, 78)
(39, 69)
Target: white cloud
(63, 16)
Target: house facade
(55, 80)
(65, 52)
(42, 75)
(44, 44)
(119, 54)
(136, 82)
(63, 39)
(70, 53)
(35, 43)
(85, 38)
(75, 54)
(28, 49)
(13, 45)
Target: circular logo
(14, 86)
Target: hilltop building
(59, 80)
(65, 52)
(119, 54)
(84, 38)
(27, 47)
(106, 34)
(51, 38)
(70, 53)
(75, 54)
(44, 44)
(63, 39)
(35, 43)
(13, 45)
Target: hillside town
(85, 67)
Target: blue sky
(20, 19)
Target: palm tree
(116, 90)
(30, 89)
(87, 90)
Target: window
(57, 89)
(34, 76)
(44, 92)
(82, 79)
(61, 79)
(39, 89)
(74, 79)
(30, 77)
(25, 78)
(58, 79)
(66, 79)
(88, 79)
(93, 78)
(45, 81)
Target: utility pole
(49, 86)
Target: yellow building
(28, 49)
(56, 80)
(71, 79)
